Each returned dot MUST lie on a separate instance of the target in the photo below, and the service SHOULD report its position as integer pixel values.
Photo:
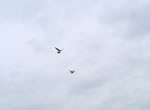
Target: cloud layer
(106, 42)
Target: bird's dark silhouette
(58, 50)
(71, 71)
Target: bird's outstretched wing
(57, 49)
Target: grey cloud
(21, 9)
(101, 42)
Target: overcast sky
(107, 43)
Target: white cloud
(106, 42)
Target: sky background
(105, 41)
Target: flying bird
(58, 50)
(71, 71)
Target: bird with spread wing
(58, 50)
(71, 71)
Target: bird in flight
(71, 71)
(58, 50)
